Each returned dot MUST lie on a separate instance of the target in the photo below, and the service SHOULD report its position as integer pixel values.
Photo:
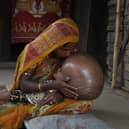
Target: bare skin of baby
(84, 74)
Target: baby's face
(69, 73)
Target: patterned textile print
(52, 35)
(35, 98)
(58, 32)
(81, 107)
(68, 106)
(30, 17)
(66, 30)
(36, 48)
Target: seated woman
(37, 63)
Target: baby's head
(84, 73)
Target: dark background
(90, 15)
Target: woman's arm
(29, 86)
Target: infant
(82, 77)
(83, 73)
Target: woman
(36, 64)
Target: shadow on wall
(97, 32)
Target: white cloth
(84, 121)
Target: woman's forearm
(29, 86)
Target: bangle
(39, 86)
(48, 82)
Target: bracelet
(18, 99)
(47, 81)
(39, 86)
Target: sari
(60, 32)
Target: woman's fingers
(66, 85)
(69, 90)
(69, 93)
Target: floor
(111, 107)
(6, 76)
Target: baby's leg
(51, 97)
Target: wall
(123, 73)
(96, 45)
(81, 14)
(5, 11)
(90, 16)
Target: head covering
(60, 32)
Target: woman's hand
(4, 96)
(67, 90)
(69, 93)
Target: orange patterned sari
(56, 35)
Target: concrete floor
(111, 107)
(6, 76)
